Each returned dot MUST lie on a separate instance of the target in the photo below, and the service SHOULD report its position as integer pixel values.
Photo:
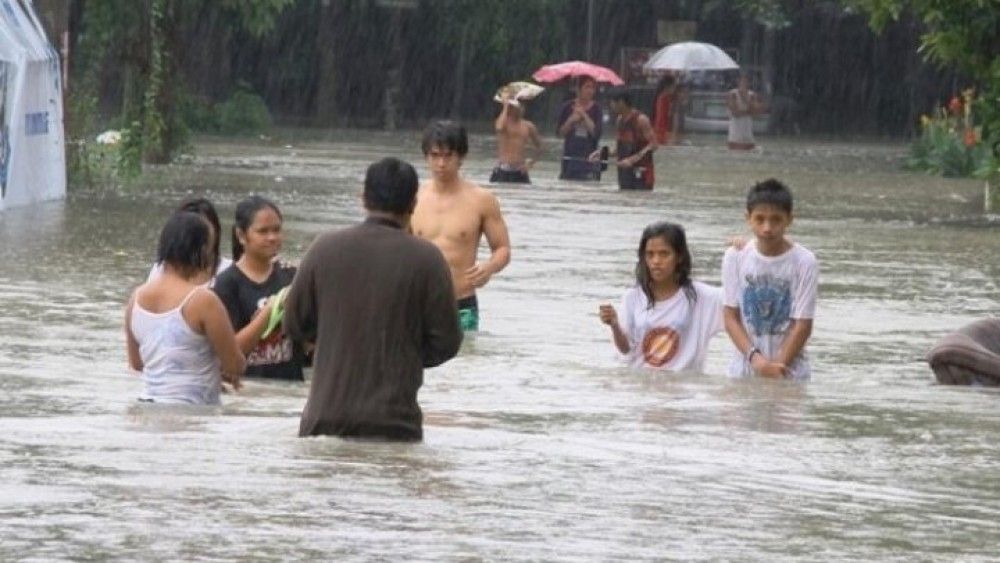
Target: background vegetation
(158, 69)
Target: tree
(136, 46)
(961, 33)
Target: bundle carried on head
(517, 92)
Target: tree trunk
(767, 62)
(747, 43)
(463, 49)
(326, 89)
(393, 84)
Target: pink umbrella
(570, 69)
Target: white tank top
(179, 365)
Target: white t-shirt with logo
(673, 335)
(770, 291)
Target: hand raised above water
(608, 314)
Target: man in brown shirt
(380, 306)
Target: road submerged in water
(539, 446)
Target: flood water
(538, 445)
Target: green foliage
(155, 143)
(256, 16)
(243, 112)
(950, 143)
(963, 33)
(137, 41)
(130, 149)
(772, 14)
(500, 42)
(199, 113)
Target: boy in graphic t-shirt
(769, 291)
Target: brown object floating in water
(968, 356)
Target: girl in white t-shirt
(666, 320)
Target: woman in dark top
(246, 289)
(580, 123)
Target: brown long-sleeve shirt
(379, 304)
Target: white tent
(32, 154)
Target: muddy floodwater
(538, 446)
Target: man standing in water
(635, 145)
(743, 105)
(455, 213)
(379, 304)
(514, 133)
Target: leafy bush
(950, 143)
(243, 112)
(199, 114)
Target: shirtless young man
(514, 133)
(455, 213)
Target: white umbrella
(690, 55)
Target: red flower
(955, 105)
(969, 138)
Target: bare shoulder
(204, 300)
(483, 197)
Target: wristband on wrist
(753, 350)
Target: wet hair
(585, 79)
(391, 186)
(621, 95)
(203, 207)
(769, 192)
(673, 235)
(448, 135)
(184, 243)
(246, 210)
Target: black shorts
(633, 179)
(502, 176)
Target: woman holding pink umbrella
(580, 121)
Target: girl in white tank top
(179, 365)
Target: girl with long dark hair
(667, 319)
(250, 288)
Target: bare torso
(453, 220)
(512, 141)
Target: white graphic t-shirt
(770, 291)
(674, 334)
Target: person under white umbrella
(689, 56)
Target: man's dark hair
(448, 135)
(769, 192)
(621, 95)
(391, 186)
(184, 243)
